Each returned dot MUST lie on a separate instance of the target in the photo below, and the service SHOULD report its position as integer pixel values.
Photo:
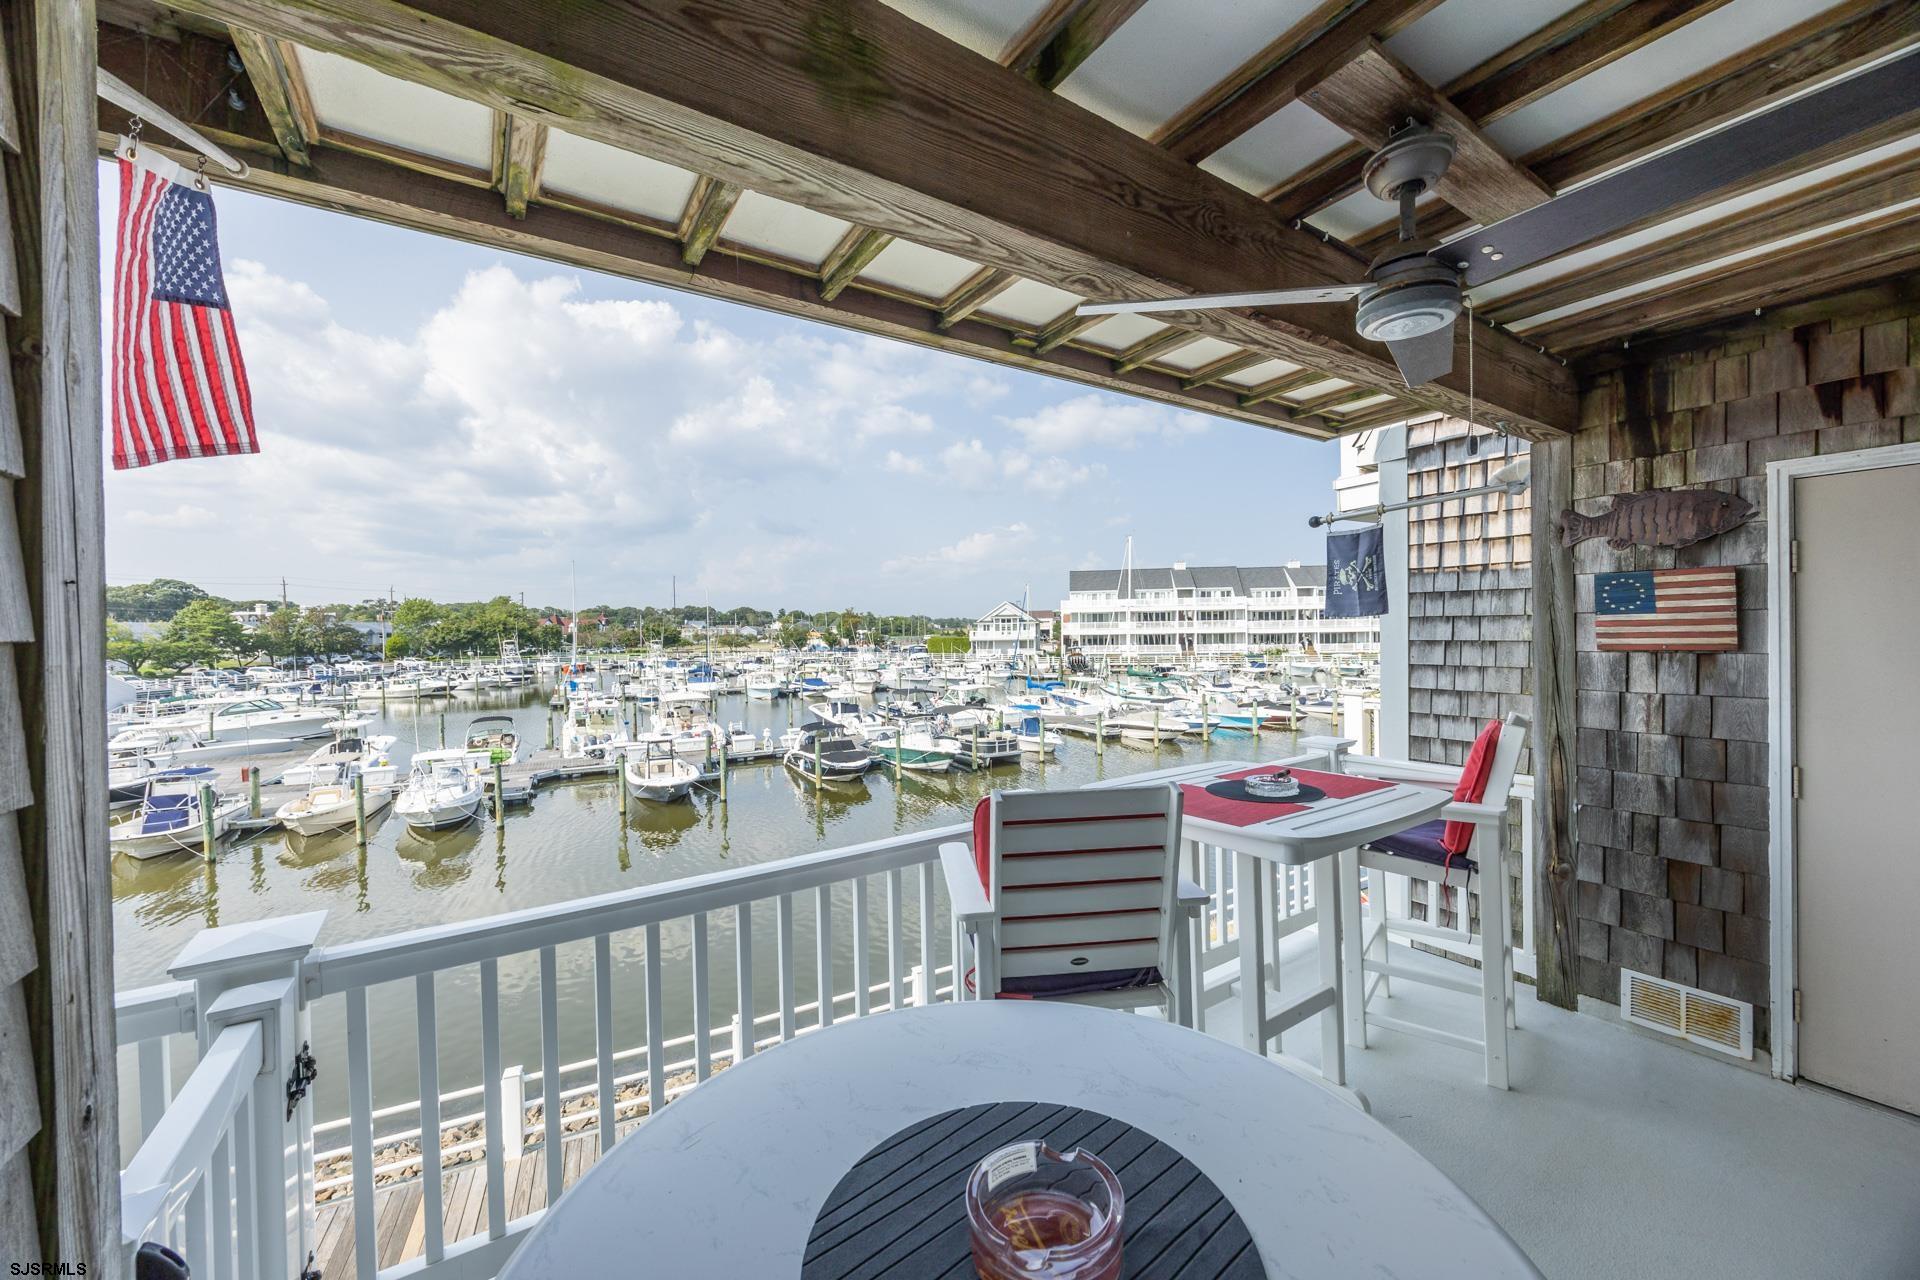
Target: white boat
(348, 748)
(247, 718)
(916, 748)
(655, 772)
(495, 735)
(1034, 738)
(593, 728)
(170, 820)
(825, 756)
(329, 806)
(442, 791)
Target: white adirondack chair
(1083, 899)
(1418, 854)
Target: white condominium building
(1007, 631)
(1217, 610)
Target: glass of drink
(1035, 1214)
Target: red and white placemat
(1201, 803)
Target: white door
(1856, 623)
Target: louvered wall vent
(1687, 1012)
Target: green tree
(121, 645)
(204, 632)
(792, 635)
(154, 601)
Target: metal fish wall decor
(1661, 518)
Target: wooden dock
(400, 1223)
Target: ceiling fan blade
(1424, 358)
(1699, 168)
(1213, 301)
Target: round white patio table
(727, 1181)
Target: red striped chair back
(1082, 885)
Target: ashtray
(1035, 1214)
(1272, 786)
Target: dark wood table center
(901, 1211)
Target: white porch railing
(886, 897)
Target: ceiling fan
(1413, 291)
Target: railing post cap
(256, 944)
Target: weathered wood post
(549, 730)
(975, 761)
(818, 781)
(896, 752)
(1256, 717)
(1554, 641)
(1203, 717)
(443, 730)
(207, 836)
(723, 766)
(253, 791)
(499, 791)
(620, 785)
(360, 810)
(1100, 732)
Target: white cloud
(1096, 420)
(900, 464)
(184, 516)
(968, 463)
(977, 550)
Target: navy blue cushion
(1042, 986)
(1422, 844)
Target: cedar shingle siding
(1671, 750)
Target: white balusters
(823, 950)
(497, 1128)
(360, 1107)
(427, 1019)
(783, 934)
(862, 976)
(603, 1038)
(550, 1069)
(928, 982)
(896, 963)
(156, 1082)
(743, 973)
(702, 1002)
(245, 1233)
(656, 1024)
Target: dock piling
(443, 730)
(723, 767)
(253, 791)
(499, 791)
(1100, 733)
(620, 788)
(360, 810)
(207, 836)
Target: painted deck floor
(1615, 1153)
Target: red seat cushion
(982, 843)
(1473, 785)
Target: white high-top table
(728, 1179)
(1316, 836)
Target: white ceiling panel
(1362, 211)
(776, 227)
(1644, 72)
(354, 98)
(1173, 51)
(984, 26)
(1031, 303)
(1117, 333)
(1260, 374)
(1285, 143)
(1194, 354)
(916, 269)
(607, 175)
(1314, 390)
(1461, 34)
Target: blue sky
(459, 422)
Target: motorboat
(983, 748)
(593, 729)
(170, 818)
(247, 718)
(915, 748)
(1035, 738)
(328, 806)
(442, 791)
(348, 748)
(826, 755)
(654, 771)
(497, 736)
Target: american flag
(1667, 609)
(179, 388)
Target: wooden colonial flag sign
(1666, 609)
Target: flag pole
(121, 94)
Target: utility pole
(283, 593)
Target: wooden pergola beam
(1849, 196)
(849, 258)
(975, 292)
(1373, 93)
(1062, 36)
(996, 169)
(1867, 251)
(1225, 367)
(1276, 387)
(708, 207)
(1152, 347)
(1278, 74)
(274, 71)
(1063, 329)
(523, 151)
